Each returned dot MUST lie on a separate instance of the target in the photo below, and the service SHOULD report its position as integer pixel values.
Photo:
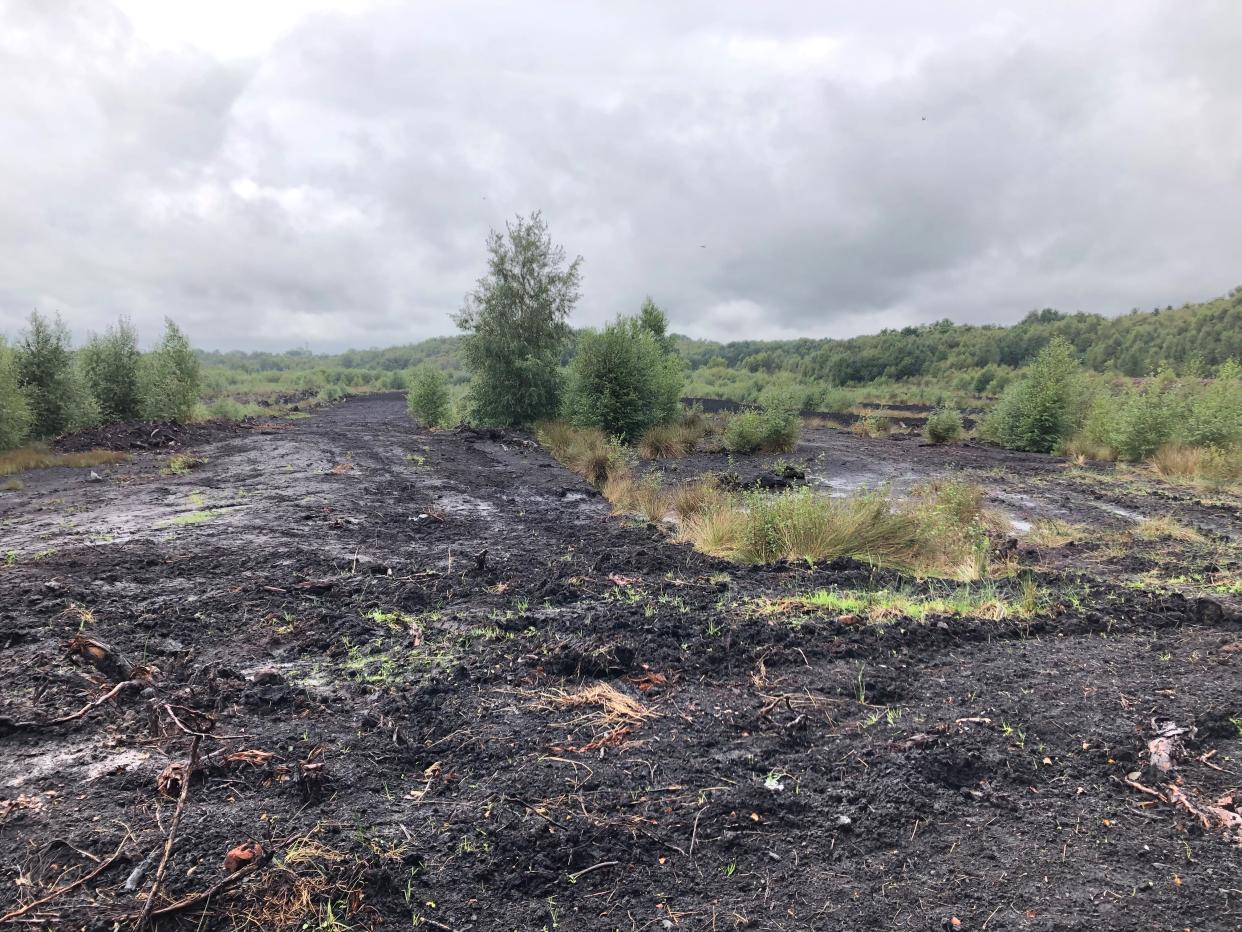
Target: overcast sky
(276, 174)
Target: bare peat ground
(397, 626)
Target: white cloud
(273, 173)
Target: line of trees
(1057, 406)
(1193, 340)
(47, 387)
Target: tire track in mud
(822, 775)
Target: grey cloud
(846, 167)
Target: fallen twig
(104, 865)
(85, 710)
(123, 685)
(145, 916)
(438, 925)
(195, 898)
(573, 878)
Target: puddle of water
(456, 502)
(1120, 512)
(84, 756)
(842, 484)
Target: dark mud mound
(126, 436)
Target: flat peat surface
(442, 687)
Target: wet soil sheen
(395, 644)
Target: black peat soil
(410, 632)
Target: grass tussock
(583, 450)
(1051, 533)
(718, 530)
(1198, 465)
(181, 463)
(938, 531)
(40, 457)
(941, 530)
(1178, 460)
(1166, 528)
(1082, 449)
(670, 441)
(688, 499)
(601, 705)
(814, 421)
(13, 485)
(875, 426)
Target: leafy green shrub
(1216, 414)
(788, 394)
(1039, 412)
(944, 425)
(46, 375)
(110, 367)
(429, 397)
(82, 409)
(873, 425)
(771, 430)
(516, 319)
(14, 411)
(622, 381)
(330, 394)
(1147, 418)
(227, 409)
(169, 377)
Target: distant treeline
(1194, 339)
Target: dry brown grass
(39, 457)
(1080, 449)
(937, 531)
(1166, 528)
(1053, 533)
(874, 426)
(1175, 460)
(601, 705)
(814, 420)
(691, 498)
(650, 499)
(305, 889)
(719, 530)
(668, 441)
(583, 450)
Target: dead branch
(103, 865)
(82, 712)
(1212, 817)
(195, 898)
(145, 916)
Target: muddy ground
(398, 626)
